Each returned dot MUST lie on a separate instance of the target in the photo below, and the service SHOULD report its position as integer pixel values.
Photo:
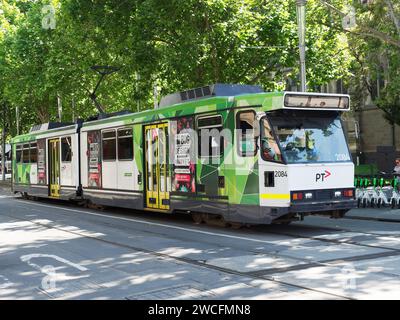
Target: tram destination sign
(317, 101)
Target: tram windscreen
(311, 139)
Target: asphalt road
(57, 250)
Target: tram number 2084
(280, 174)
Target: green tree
(375, 44)
(176, 44)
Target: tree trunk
(393, 16)
(3, 146)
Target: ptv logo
(322, 176)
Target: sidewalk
(386, 214)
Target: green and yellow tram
(229, 152)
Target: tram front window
(311, 139)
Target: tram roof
(175, 110)
(268, 101)
(43, 132)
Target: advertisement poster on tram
(94, 170)
(183, 173)
(41, 145)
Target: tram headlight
(338, 194)
(308, 195)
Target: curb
(372, 219)
(386, 216)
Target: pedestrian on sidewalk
(396, 170)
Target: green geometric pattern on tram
(23, 173)
(208, 176)
(251, 189)
(138, 152)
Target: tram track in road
(390, 252)
(244, 234)
(336, 241)
(193, 262)
(239, 234)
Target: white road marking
(27, 258)
(4, 282)
(223, 235)
(254, 262)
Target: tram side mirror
(268, 151)
(257, 135)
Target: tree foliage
(175, 44)
(375, 46)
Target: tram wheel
(214, 220)
(197, 217)
(236, 225)
(82, 203)
(91, 205)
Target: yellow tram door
(157, 169)
(163, 155)
(54, 168)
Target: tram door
(54, 168)
(157, 169)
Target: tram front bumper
(266, 215)
(323, 207)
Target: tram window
(66, 150)
(211, 141)
(245, 122)
(125, 144)
(25, 153)
(209, 122)
(18, 154)
(269, 147)
(109, 146)
(33, 153)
